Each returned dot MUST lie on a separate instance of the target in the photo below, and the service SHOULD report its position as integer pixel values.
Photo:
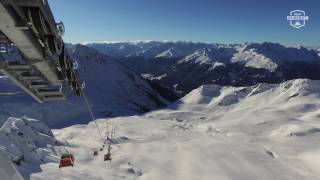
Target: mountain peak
(200, 56)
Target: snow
(198, 57)
(281, 54)
(311, 159)
(250, 58)
(271, 55)
(224, 64)
(28, 143)
(265, 55)
(165, 54)
(152, 77)
(120, 83)
(215, 65)
(8, 170)
(117, 42)
(122, 47)
(109, 88)
(19, 135)
(257, 132)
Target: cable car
(95, 153)
(66, 160)
(107, 157)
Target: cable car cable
(91, 113)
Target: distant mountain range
(184, 66)
(112, 89)
(115, 88)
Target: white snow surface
(24, 136)
(27, 141)
(245, 133)
(199, 57)
(152, 77)
(250, 58)
(7, 170)
(166, 54)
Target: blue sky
(221, 21)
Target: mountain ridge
(215, 132)
(109, 88)
(185, 65)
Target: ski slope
(259, 132)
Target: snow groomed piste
(215, 132)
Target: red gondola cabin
(107, 157)
(66, 160)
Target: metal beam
(54, 98)
(23, 85)
(28, 44)
(50, 92)
(12, 93)
(31, 77)
(20, 67)
(37, 89)
(38, 86)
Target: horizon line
(188, 41)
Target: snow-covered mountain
(28, 143)
(256, 132)
(8, 170)
(147, 49)
(112, 85)
(185, 66)
(112, 90)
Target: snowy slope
(113, 85)
(7, 169)
(110, 87)
(199, 57)
(257, 132)
(274, 52)
(188, 65)
(270, 55)
(250, 58)
(28, 143)
(167, 54)
(147, 49)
